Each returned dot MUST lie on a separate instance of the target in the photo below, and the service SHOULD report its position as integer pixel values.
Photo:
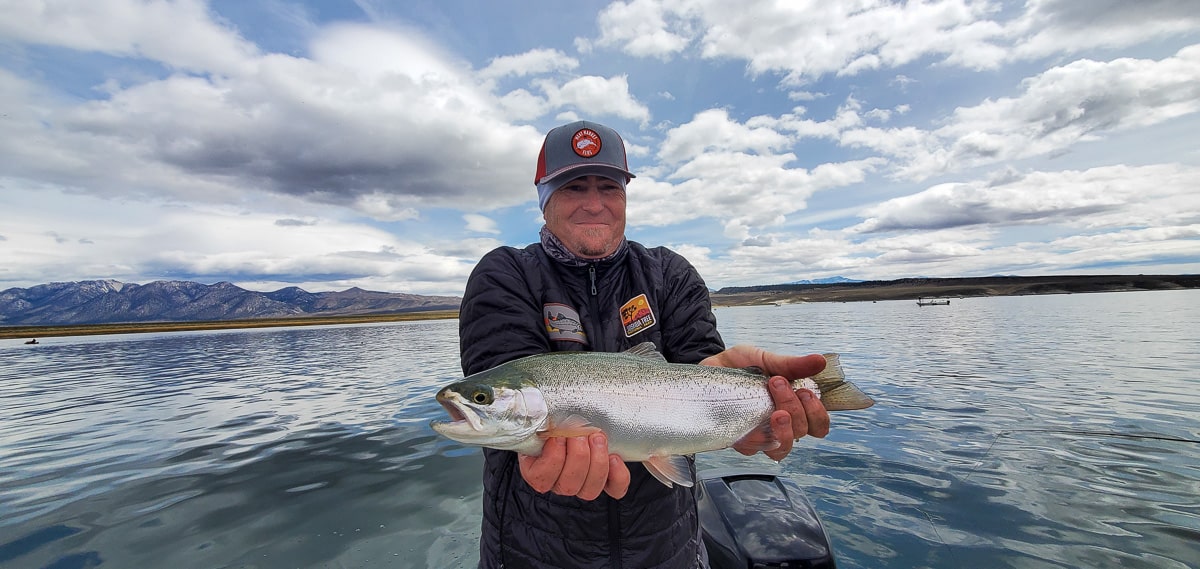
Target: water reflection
(1010, 432)
(307, 500)
(1022, 432)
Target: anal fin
(670, 469)
(759, 438)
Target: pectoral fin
(670, 469)
(573, 426)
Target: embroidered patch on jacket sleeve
(563, 323)
(636, 315)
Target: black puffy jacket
(520, 302)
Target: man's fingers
(542, 472)
(618, 477)
(578, 466)
(794, 367)
(597, 474)
(575, 467)
(788, 421)
(781, 425)
(787, 400)
(815, 414)
(796, 414)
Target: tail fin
(837, 394)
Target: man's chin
(593, 250)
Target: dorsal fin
(646, 350)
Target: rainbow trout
(652, 411)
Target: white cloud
(480, 224)
(520, 105)
(139, 241)
(384, 207)
(802, 40)
(714, 130)
(596, 96)
(805, 40)
(533, 62)
(180, 34)
(1108, 215)
(740, 174)
(380, 54)
(378, 120)
(642, 28)
(1076, 102)
(307, 166)
(846, 117)
(1050, 27)
(804, 95)
(1111, 196)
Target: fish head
(500, 416)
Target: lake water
(1039, 431)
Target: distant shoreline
(914, 288)
(901, 289)
(145, 327)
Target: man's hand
(797, 413)
(576, 466)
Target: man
(585, 287)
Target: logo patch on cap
(586, 143)
(636, 315)
(563, 323)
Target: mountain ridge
(109, 301)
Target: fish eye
(482, 397)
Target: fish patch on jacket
(562, 323)
(636, 316)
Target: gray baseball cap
(581, 148)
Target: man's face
(588, 215)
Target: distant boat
(922, 301)
(32, 341)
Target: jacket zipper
(614, 511)
(614, 535)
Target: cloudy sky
(390, 144)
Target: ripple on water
(1009, 432)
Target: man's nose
(592, 200)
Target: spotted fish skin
(650, 410)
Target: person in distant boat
(576, 505)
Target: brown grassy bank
(911, 289)
(136, 327)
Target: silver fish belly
(650, 410)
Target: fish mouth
(460, 413)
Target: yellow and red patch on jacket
(636, 316)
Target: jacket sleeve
(500, 319)
(689, 326)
